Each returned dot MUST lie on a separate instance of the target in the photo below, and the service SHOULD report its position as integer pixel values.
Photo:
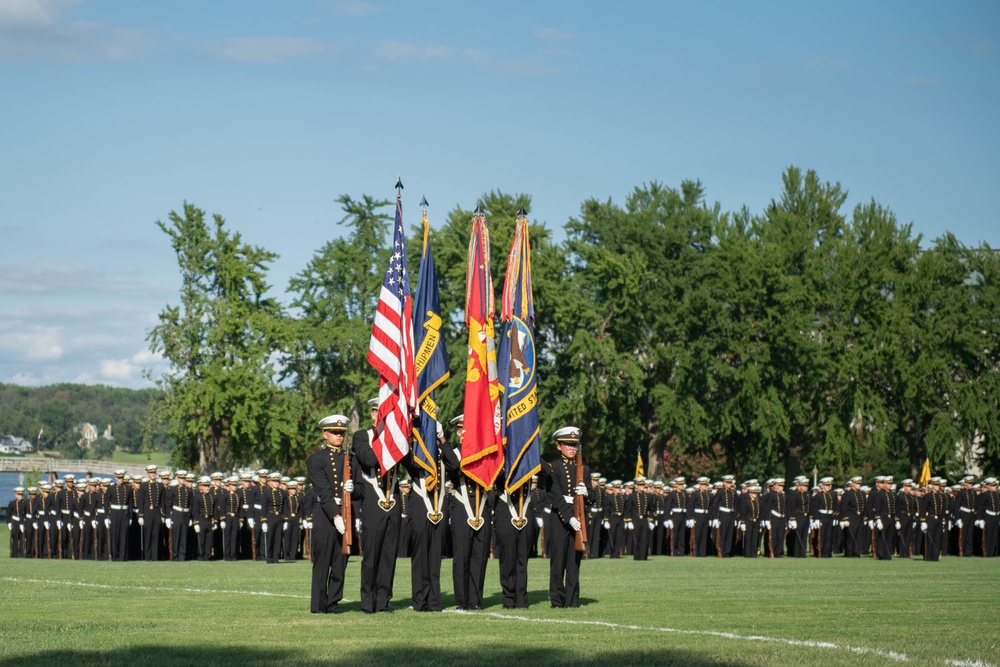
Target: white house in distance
(12, 444)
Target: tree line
(762, 344)
(58, 411)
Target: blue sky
(116, 112)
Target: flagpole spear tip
(399, 184)
(423, 202)
(479, 209)
(521, 212)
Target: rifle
(345, 508)
(578, 506)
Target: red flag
(390, 352)
(482, 447)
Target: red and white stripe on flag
(390, 352)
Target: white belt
(86, 514)
(64, 511)
(28, 515)
(725, 509)
(992, 513)
(568, 499)
(16, 518)
(101, 511)
(677, 510)
(178, 508)
(700, 511)
(965, 509)
(119, 507)
(778, 514)
(245, 506)
(825, 511)
(547, 510)
(258, 507)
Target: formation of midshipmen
(268, 516)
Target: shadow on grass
(388, 654)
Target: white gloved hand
(878, 524)
(107, 523)
(574, 523)
(81, 524)
(689, 523)
(338, 523)
(349, 485)
(607, 525)
(923, 526)
(793, 524)
(93, 524)
(669, 523)
(59, 524)
(652, 525)
(284, 526)
(845, 523)
(263, 526)
(538, 521)
(197, 528)
(959, 523)
(814, 525)
(440, 430)
(949, 524)
(252, 523)
(836, 523)
(223, 524)
(715, 523)
(629, 526)
(190, 523)
(46, 524)
(142, 521)
(170, 523)
(981, 523)
(580, 490)
(742, 526)
(767, 524)
(898, 525)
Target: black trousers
(379, 543)
(328, 565)
(564, 565)
(118, 535)
(776, 538)
(178, 535)
(512, 548)
(426, 547)
(616, 536)
(471, 549)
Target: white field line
(861, 650)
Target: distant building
(12, 444)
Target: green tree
(219, 400)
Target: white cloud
(32, 13)
(553, 36)
(393, 51)
(119, 369)
(30, 344)
(269, 49)
(38, 28)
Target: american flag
(390, 352)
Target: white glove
(689, 523)
(263, 526)
(836, 523)
(59, 524)
(652, 524)
(190, 523)
(767, 525)
(574, 523)
(669, 523)
(814, 525)
(170, 523)
(81, 524)
(923, 526)
(252, 523)
(580, 490)
(538, 521)
(349, 485)
(107, 523)
(629, 526)
(307, 524)
(878, 524)
(743, 526)
(715, 523)
(959, 523)
(898, 525)
(981, 523)
(607, 525)
(440, 431)
(142, 521)
(46, 524)
(793, 524)
(284, 526)
(93, 524)
(338, 523)
(949, 524)
(223, 524)
(845, 523)
(197, 528)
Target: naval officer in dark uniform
(326, 479)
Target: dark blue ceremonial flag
(516, 365)
(430, 363)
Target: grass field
(664, 611)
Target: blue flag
(516, 364)
(430, 363)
